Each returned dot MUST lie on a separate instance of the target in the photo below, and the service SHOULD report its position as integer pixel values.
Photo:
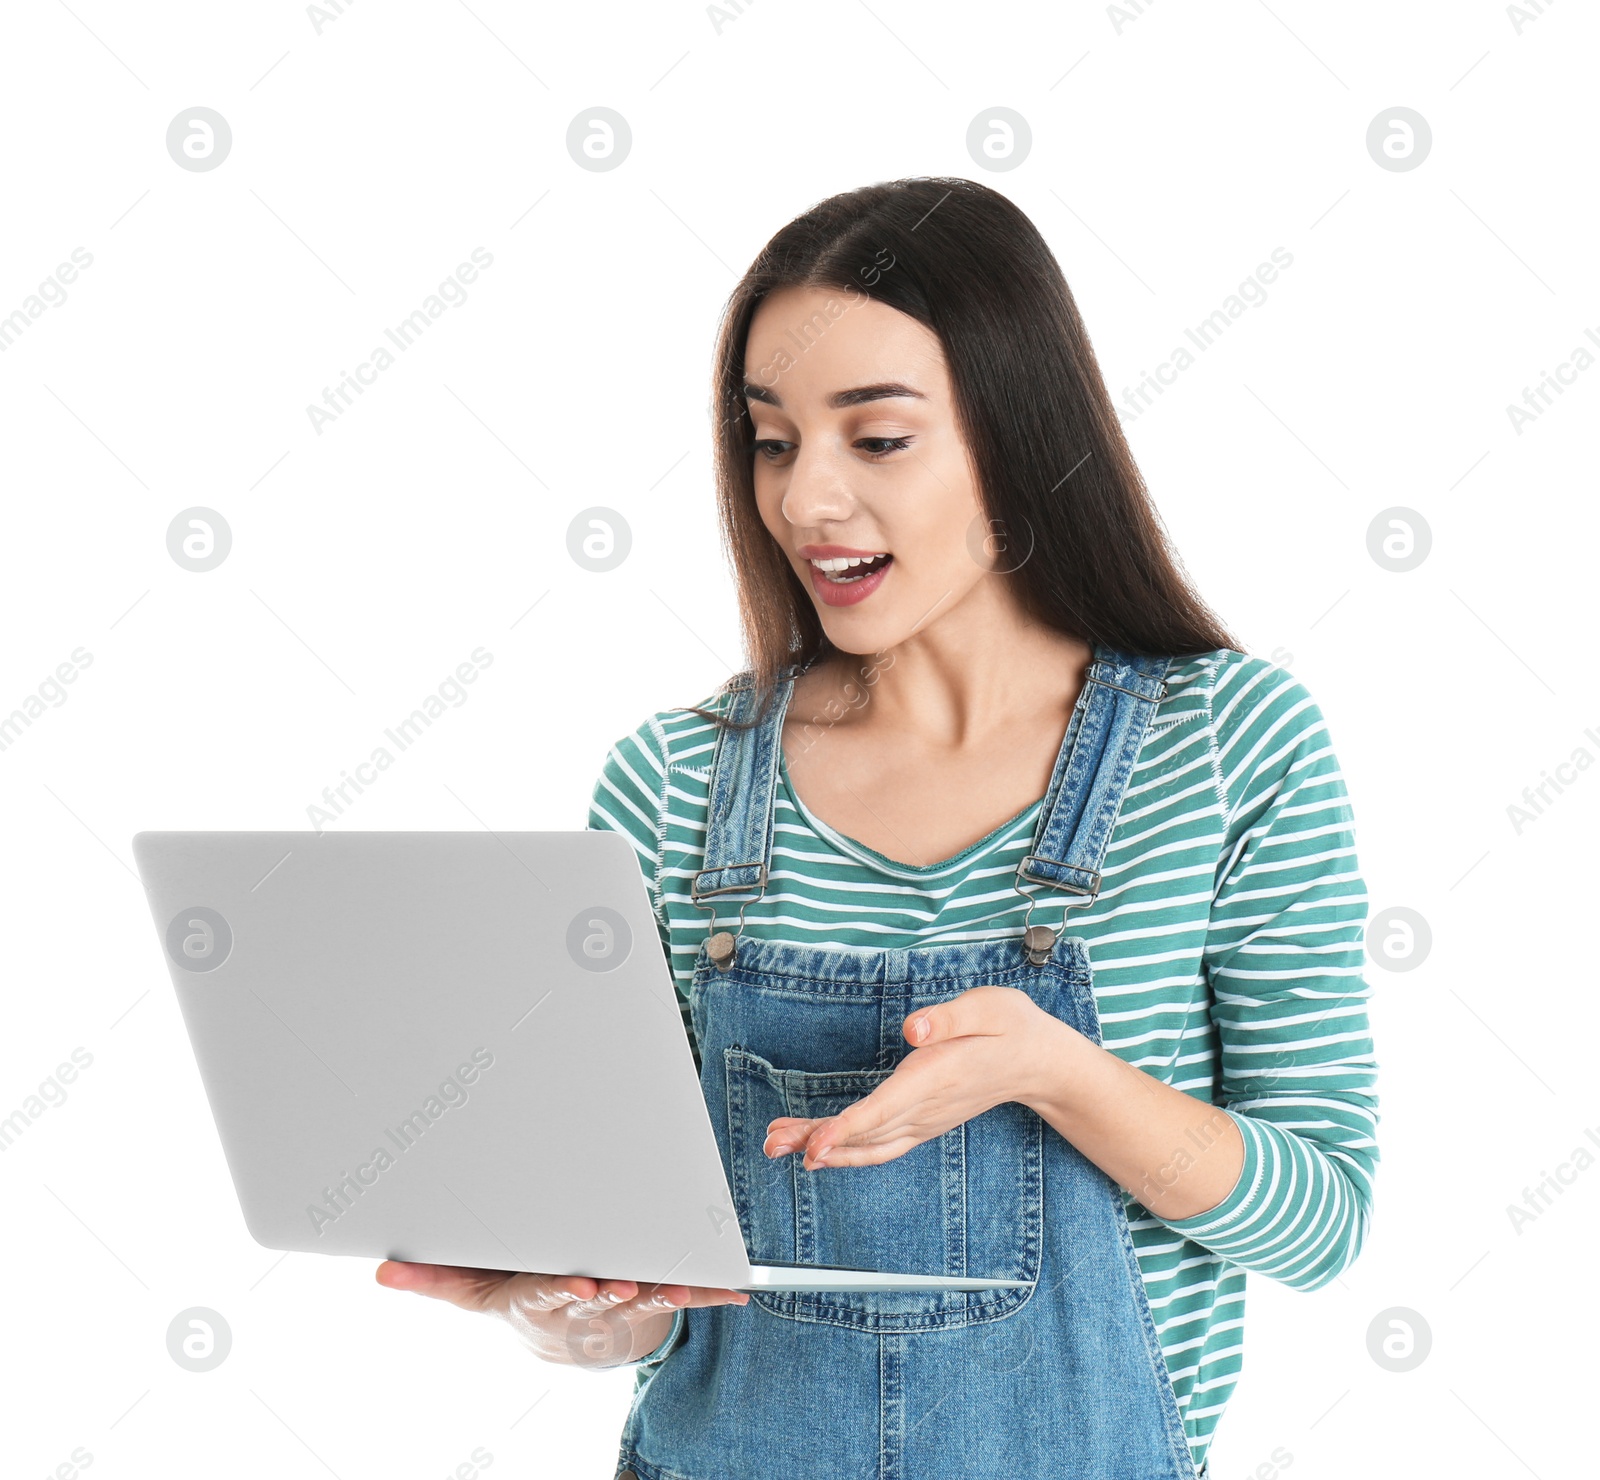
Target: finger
(862, 1156)
(788, 1133)
(654, 1298)
(979, 1010)
(865, 1124)
(586, 1294)
(544, 1292)
(705, 1295)
(437, 1280)
(702, 1295)
(468, 1288)
(607, 1295)
(613, 1290)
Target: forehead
(816, 341)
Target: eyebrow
(856, 396)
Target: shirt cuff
(1234, 1213)
(666, 1345)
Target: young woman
(1014, 909)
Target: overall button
(627, 1475)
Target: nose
(818, 489)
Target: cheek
(944, 512)
(769, 500)
(942, 540)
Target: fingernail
(821, 1156)
(919, 1029)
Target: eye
(882, 446)
(770, 449)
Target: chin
(863, 639)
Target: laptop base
(814, 1277)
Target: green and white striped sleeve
(1285, 958)
(627, 798)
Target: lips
(852, 584)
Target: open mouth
(847, 570)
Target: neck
(955, 684)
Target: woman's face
(857, 454)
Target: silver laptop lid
(454, 1048)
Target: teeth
(845, 562)
(840, 570)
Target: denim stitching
(1215, 667)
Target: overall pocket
(969, 1202)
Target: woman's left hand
(971, 1053)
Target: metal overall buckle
(1039, 941)
(721, 945)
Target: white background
(1172, 151)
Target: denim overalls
(1065, 1378)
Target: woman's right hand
(573, 1319)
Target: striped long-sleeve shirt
(1226, 945)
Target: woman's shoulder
(1266, 731)
(678, 738)
(658, 770)
(1234, 690)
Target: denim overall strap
(1091, 775)
(744, 784)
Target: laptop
(455, 1048)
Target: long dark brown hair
(1054, 471)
